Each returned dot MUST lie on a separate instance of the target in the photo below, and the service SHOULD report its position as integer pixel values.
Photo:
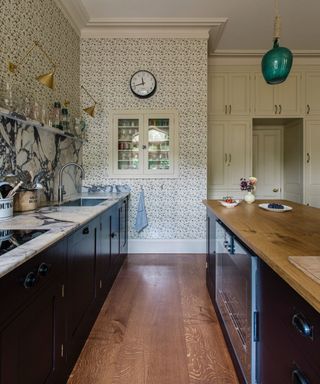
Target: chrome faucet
(61, 190)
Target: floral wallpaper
(173, 206)
(22, 23)
(22, 146)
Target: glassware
(35, 115)
(44, 115)
(56, 115)
(27, 109)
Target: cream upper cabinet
(312, 163)
(277, 100)
(312, 93)
(229, 156)
(228, 94)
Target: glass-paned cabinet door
(159, 153)
(128, 139)
(145, 144)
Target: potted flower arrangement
(249, 186)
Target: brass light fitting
(46, 79)
(89, 110)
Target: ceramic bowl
(229, 205)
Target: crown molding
(208, 28)
(260, 52)
(196, 28)
(75, 13)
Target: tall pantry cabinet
(229, 131)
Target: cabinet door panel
(81, 286)
(313, 93)
(239, 153)
(264, 100)
(217, 97)
(31, 343)
(312, 168)
(288, 95)
(239, 94)
(217, 154)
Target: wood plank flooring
(157, 326)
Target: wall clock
(143, 84)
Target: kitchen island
(274, 236)
(267, 307)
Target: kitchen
(103, 61)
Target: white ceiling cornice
(86, 27)
(260, 53)
(75, 12)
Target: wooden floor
(157, 326)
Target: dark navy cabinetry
(50, 303)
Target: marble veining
(59, 220)
(25, 147)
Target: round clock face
(143, 84)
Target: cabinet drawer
(289, 320)
(19, 286)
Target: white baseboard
(167, 246)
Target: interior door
(267, 163)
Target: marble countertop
(58, 220)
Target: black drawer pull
(43, 269)
(85, 231)
(298, 378)
(30, 280)
(113, 235)
(302, 325)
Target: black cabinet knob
(113, 235)
(85, 231)
(30, 280)
(298, 378)
(43, 269)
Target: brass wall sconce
(46, 79)
(89, 110)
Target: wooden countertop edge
(297, 279)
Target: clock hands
(139, 83)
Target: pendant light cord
(277, 21)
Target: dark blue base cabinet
(287, 328)
(50, 303)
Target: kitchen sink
(83, 202)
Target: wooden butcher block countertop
(275, 236)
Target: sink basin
(83, 202)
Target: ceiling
(235, 25)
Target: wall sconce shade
(89, 110)
(45, 79)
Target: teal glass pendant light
(276, 63)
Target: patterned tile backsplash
(174, 206)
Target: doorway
(277, 160)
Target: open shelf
(43, 127)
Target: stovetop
(10, 239)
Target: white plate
(229, 205)
(284, 209)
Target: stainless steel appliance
(236, 298)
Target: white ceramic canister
(6, 208)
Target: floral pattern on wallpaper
(21, 23)
(174, 206)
